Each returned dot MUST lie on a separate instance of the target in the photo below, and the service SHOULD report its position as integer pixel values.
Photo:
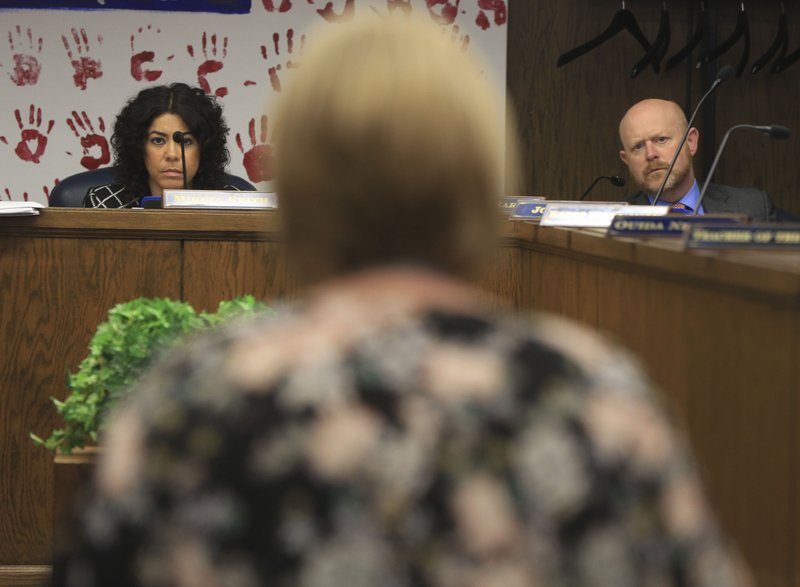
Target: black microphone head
(725, 73)
(177, 136)
(777, 131)
(617, 180)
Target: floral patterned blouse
(390, 431)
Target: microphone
(615, 179)
(179, 138)
(774, 132)
(724, 73)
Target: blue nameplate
(529, 209)
(673, 225)
(750, 236)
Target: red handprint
(11, 199)
(446, 15)
(32, 136)
(85, 67)
(139, 58)
(347, 13)
(46, 189)
(211, 64)
(25, 196)
(269, 5)
(26, 65)
(273, 70)
(90, 138)
(496, 6)
(456, 38)
(258, 159)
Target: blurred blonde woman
(389, 429)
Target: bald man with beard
(650, 132)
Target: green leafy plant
(120, 351)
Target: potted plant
(119, 352)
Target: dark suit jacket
(723, 198)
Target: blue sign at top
(216, 6)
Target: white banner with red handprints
(66, 73)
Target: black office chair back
(70, 191)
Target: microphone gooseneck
(773, 132)
(614, 179)
(180, 138)
(724, 74)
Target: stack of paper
(20, 208)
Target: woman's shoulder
(109, 195)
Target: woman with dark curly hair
(147, 160)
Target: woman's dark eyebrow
(164, 134)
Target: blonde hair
(388, 148)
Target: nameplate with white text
(220, 199)
(593, 214)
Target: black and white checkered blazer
(110, 195)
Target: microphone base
(152, 202)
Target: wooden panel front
(221, 270)
(717, 331)
(60, 273)
(729, 366)
(563, 286)
(721, 340)
(55, 292)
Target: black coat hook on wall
(660, 45)
(785, 61)
(699, 32)
(742, 31)
(623, 20)
(778, 46)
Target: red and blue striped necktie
(680, 207)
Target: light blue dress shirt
(689, 200)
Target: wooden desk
(60, 273)
(718, 333)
